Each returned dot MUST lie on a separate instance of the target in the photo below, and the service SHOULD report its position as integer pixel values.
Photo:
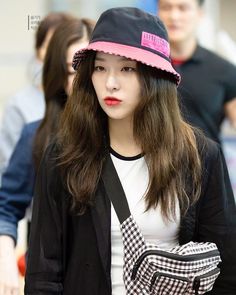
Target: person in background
(124, 105)
(17, 187)
(147, 5)
(28, 104)
(208, 88)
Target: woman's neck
(122, 138)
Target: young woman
(17, 187)
(124, 103)
(28, 104)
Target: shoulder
(50, 161)
(27, 134)
(205, 145)
(31, 128)
(49, 179)
(25, 106)
(214, 59)
(208, 149)
(24, 95)
(214, 168)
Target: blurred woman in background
(28, 104)
(17, 187)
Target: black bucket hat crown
(134, 34)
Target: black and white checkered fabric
(188, 269)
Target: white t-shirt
(133, 174)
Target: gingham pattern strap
(133, 240)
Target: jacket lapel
(188, 226)
(101, 215)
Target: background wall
(17, 36)
(227, 16)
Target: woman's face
(116, 83)
(69, 57)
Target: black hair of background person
(50, 22)
(54, 84)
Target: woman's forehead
(102, 56)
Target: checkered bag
(189, 269)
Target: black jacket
(71, 254)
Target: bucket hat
(134, 34)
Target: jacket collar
(198, 56)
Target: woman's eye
(128, 69)
(99, 68)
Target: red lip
(112, 101)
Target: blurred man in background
(208, 87)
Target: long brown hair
(167, 141)
(55, 74)
(50, 21)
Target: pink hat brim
(144, 56)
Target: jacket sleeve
(16, 190)
(44, 265)
(217, 219)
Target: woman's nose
(112, 83)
